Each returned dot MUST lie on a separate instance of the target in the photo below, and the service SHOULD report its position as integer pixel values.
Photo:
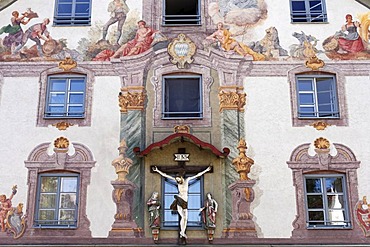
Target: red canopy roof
(182, 137)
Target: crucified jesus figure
(181, 200)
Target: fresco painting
(351, 41)
(124, 34)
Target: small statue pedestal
(155, 234)
(210, 233)
(124, 226)
(242, 225)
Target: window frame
(197, 17)
(78, 71)
(57, 207)
(74, 18)
(325, 209)
(166, 100)
(68, 92)
(308, 12)
(341, 96)
(164, 208)
(335, 114)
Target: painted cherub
(6, 206)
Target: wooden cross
(181, 168)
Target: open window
(72, 13)
(308, 11)
(182, 97)
(181, 12)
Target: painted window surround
(39, 162)
(86, 121)
(344, 162)
(340, 86)
(157, 80)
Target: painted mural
(124, 34)
(351, 41)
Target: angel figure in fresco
(5, 207)
(118, 10)
(229, 44)
(154, 205)
(14, 30)
(349, 39)
(209, 212)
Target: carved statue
(180, 203)
(209, 212)
(153, 207)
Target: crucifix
(180, 203)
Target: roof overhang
(182, 137)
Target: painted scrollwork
(61, 142)
(67, 64)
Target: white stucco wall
(271, 139)
(19, 134)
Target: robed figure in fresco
(180, 204)
(348, 38)
(227, 43)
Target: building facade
(259, 105)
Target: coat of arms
(181, 50)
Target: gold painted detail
(320, 125)
(322, 143)
(232, 98)
(182, 129)
(62, 125)
(67, 64)
(243, 163)
(181, 50)
(131, 99)
(122, 164)
(314, 63)
(61, 142)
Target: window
(181, 12)
(326, 201)
(65, 97)
(326, 189)
(195, 195)
(57, 201)
(308, 11)
(182, 97)
(317, 97)
(72, 13)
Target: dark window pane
(316, 216)
(324, 98)
(315, 201)
(65, 9)
(68, 201)
(298, 6)
(194, 202)
(56, 98)
(82, 9)
(76, 98)
(313, 185)
(324, 84)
